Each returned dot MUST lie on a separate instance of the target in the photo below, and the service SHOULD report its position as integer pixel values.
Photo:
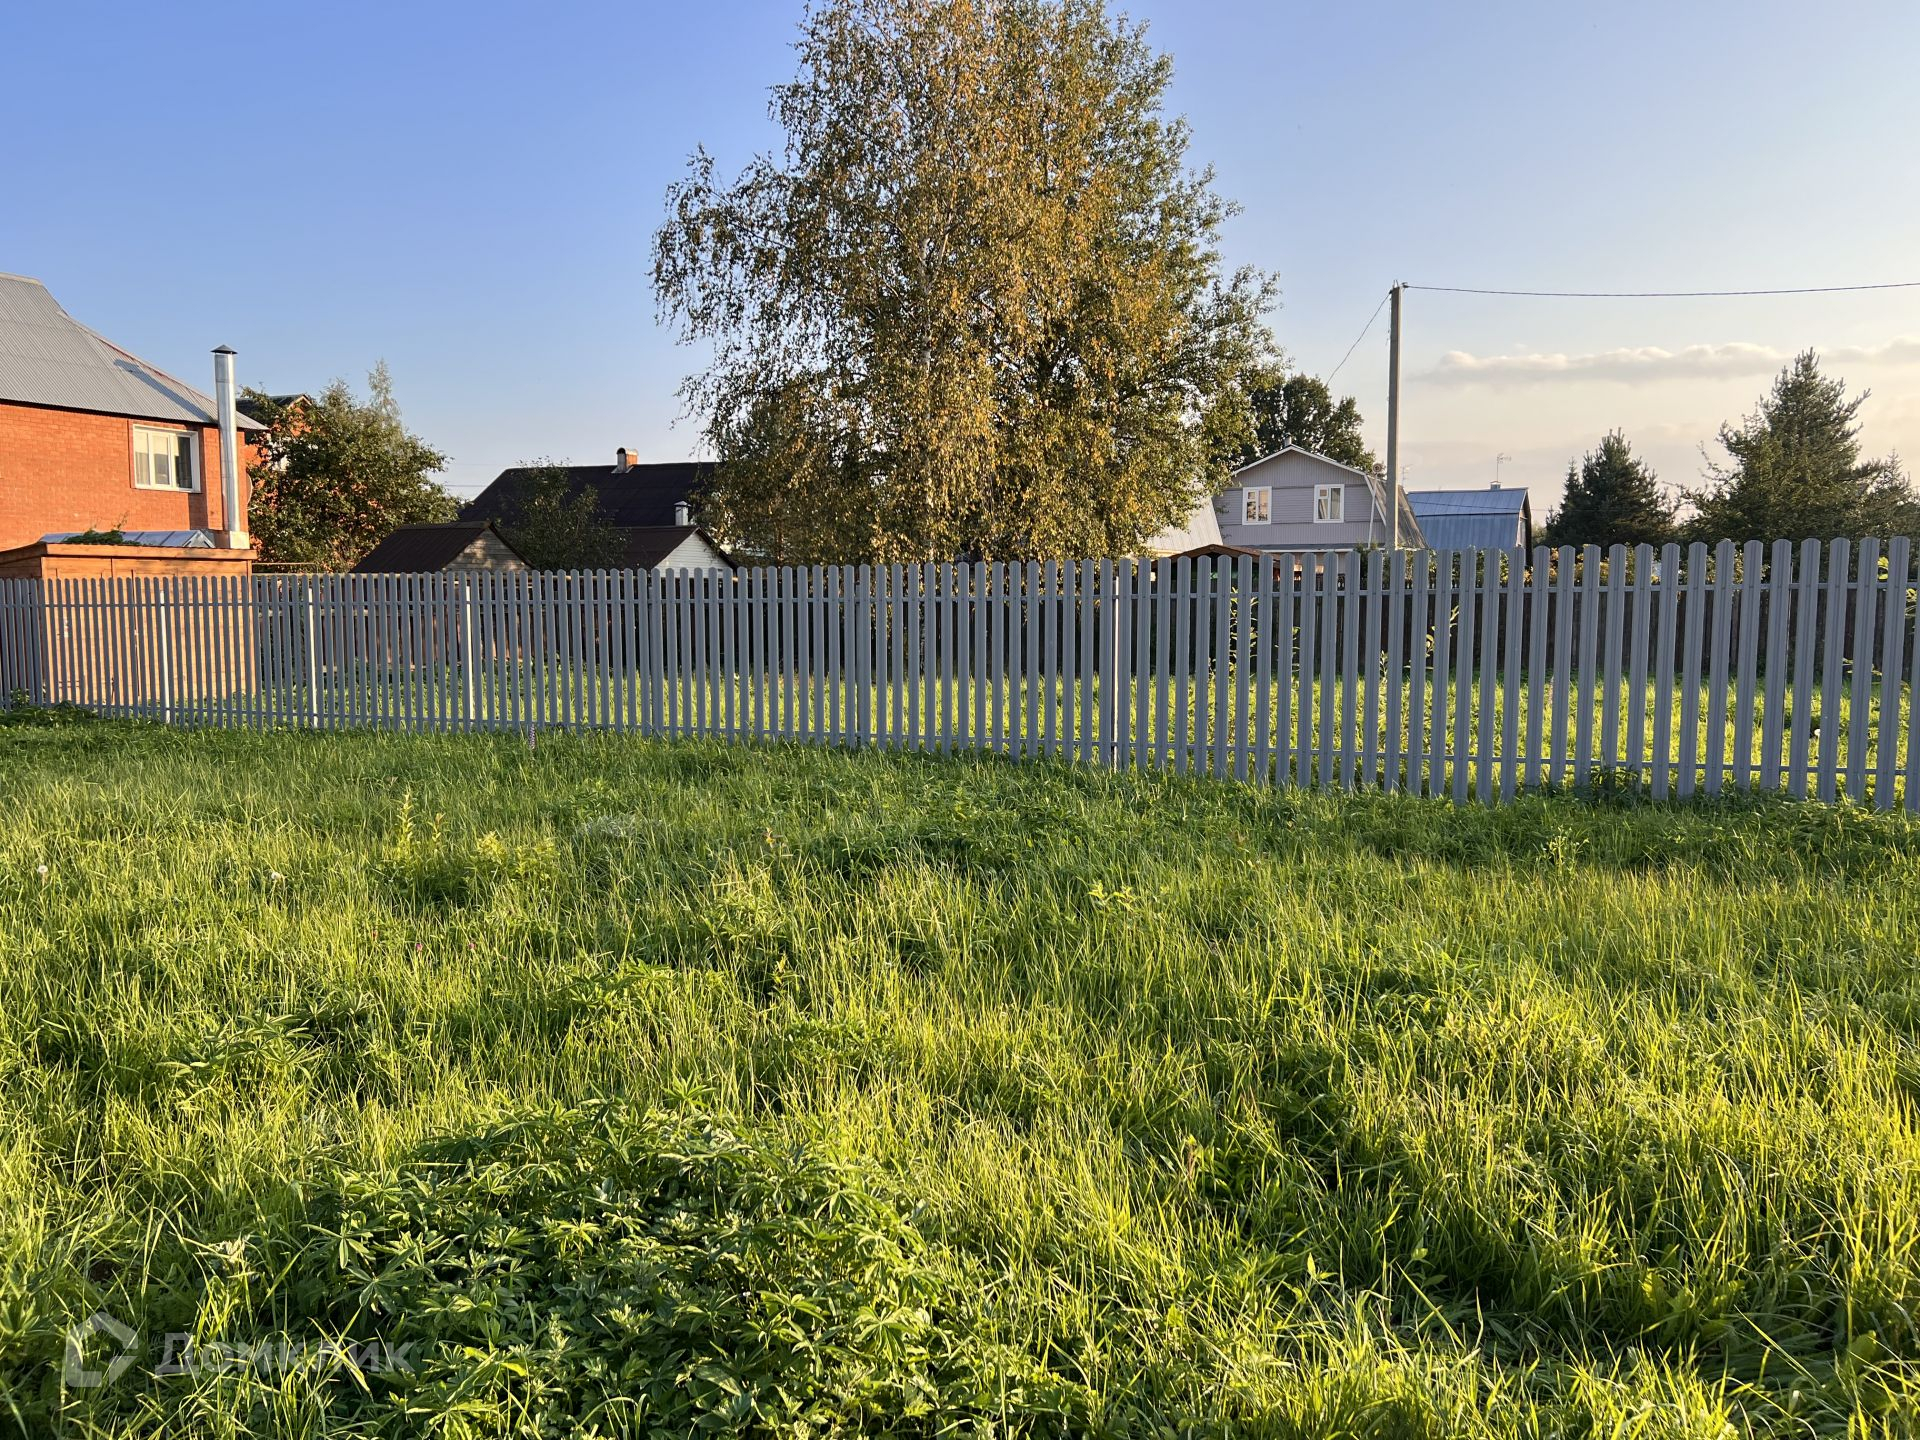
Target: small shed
(1495, 518)
(428, 549)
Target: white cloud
(1648, 363)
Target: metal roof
(1494, 500)
(1494, 518)
(49, 358)
(166, 539)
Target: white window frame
(140, 482)
(1265, 507)
(1324, 493)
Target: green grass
(645, 1088)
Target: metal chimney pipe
(682, 516)
(224, 403)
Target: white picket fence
(1469, 674)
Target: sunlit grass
(636, 1083)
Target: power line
(1358, 338)
(1666, 294)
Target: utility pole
(1393, 422)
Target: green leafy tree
(337, 474)
(1794, 469)
(1298, 409)
(555, 526)
(975, 306)
(1613, 498)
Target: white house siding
(1292, 476)
(694, 553)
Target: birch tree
(975, 306)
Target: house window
(165, 459)
(1256, 505)
(1329, 504)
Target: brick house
(93, 440)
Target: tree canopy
(975, 306)
(1612, 498)
(1296, 409)
(1794, 469)
(337, 474)
(555, 526)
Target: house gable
(1292, 480)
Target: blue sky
(468, 192)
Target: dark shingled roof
(423, 549)
(641, 496)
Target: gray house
(1296, 500)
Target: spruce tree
(1794, 470)
(1612, 498)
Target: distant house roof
(639, 496)
(254, 411)
(167, 539)
(49, 358)
(648, 546)
(1494, 518)
(419, 549)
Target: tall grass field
(416, 1085)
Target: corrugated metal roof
(168, 539)
(1472, 532)
(1494, 518)
(1490, 501)
(49, 358)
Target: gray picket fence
(1472, 674)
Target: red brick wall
(70, 470)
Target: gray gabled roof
(49, 358)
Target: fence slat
(1893, 648)
(1860, 703)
